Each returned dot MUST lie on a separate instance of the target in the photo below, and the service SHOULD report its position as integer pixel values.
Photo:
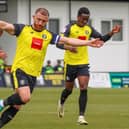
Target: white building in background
(113, 56)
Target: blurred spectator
(58, 68)
(2, 65)
(3, 56)
(49, 68)
(8, 69)
(43, 70)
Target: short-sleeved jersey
(31, 48)
(81, 57)
(83, 33)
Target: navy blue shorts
(20, 79)
(73, 71)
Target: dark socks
(82, 101)
(65, 94)
(7, 115)
(13, 100)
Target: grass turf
(107, 109)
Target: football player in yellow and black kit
(77, 62)
(32, 43)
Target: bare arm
(8, 27)
(70, 48)
(78, 42)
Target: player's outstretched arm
(77, 42)
(8, 27)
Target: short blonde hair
(43, 11)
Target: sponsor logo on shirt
(37, 43)
(82, 37)
(86, 32)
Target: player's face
(82, 20)
(40, 21)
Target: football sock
(7, 115)
(65, 94)
(82, 101)
(13, 100)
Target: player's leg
(12, 110)
(8, 115)
(83, 98)
(83, 78)
(14, 103)
(18, 98)
(22, 90)
(64, 95)
(23, 85)
(70, 76)
(66, 92)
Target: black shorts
(73, 71)
(20, 79)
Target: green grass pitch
(107, 109)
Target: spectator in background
(3, 56)
(2, 65)
(49, 68)
(58, 68)
(8, 69)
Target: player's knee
(25, 99)
(83, 87)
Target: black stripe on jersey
(18, 28)
(67, 31)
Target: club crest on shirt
(82, 37)
(44, 36)
(86, 32)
